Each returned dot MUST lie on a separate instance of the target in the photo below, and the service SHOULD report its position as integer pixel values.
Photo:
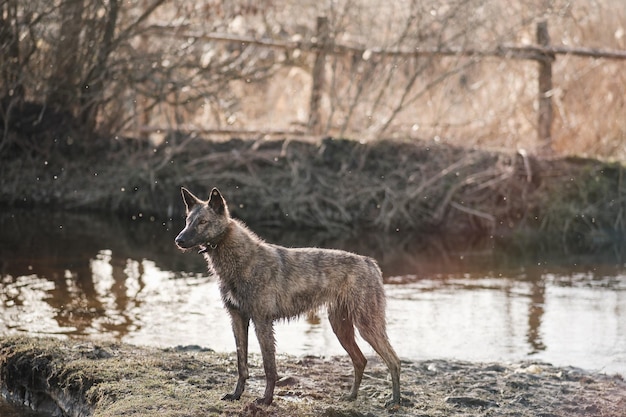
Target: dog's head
(206, 222)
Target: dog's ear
(189, 199)
(216, 201)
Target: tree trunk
(63, 86)
(91, 97)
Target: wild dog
(262, 282)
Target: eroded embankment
(82, 379)
(334, 184)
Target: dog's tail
(371, 323)
(364, 309)
(367, 308)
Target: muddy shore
(105, 379)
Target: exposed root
(337, 185)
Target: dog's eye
(203, 221)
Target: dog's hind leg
(344, 330)
(240, 329)
(374, 333)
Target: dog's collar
(217, 240)
(205, 248)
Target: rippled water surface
(86, 276)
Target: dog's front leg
(240, 325)
(265, 333)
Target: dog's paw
(347, 397)
(392, 405)
(264, 401)
(230, 397)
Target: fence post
(544, 122)
(317, 88)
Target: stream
(100, 277)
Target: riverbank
(332, 184)
(104, 379)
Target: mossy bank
(103, 379)
(333, 184)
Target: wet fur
(262, 282)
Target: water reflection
(535, 312)
(77, 275)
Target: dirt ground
(82, 379)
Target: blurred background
(462, 71)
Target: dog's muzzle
(181, 242)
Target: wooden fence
(323, 45)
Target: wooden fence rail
(323, 45)
(502, 51)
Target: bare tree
(78, 63)
(64, 78)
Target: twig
(473, 212)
